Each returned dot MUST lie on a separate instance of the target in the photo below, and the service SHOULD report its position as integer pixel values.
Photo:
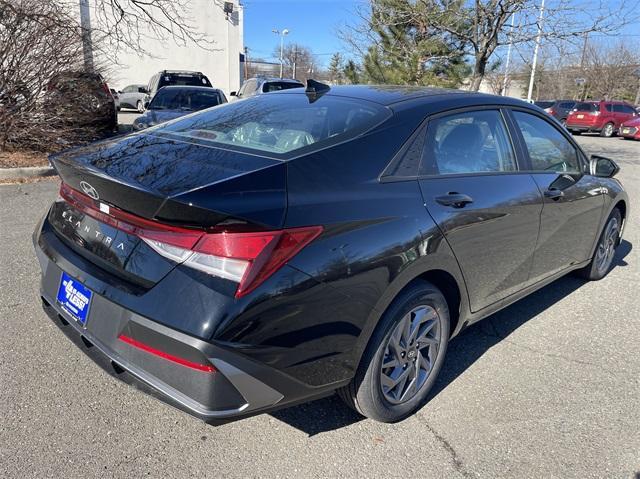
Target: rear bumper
(584, 128)
(238, 386)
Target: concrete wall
(221, 64)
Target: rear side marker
(207, 368)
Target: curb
(28, 172)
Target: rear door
(488, 211)
(573, 200)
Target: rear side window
(549, 150)
(588, 107)
(470, 142)
(278, 125)
(610, 107)
(628, 109)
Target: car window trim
(582, 157)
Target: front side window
(548, 149)
(470, 142)
(278, 125)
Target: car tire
(605, 251)
(576, 132)
(420, 309)
(140, 106)
(607, 130)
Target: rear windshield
(280, 125)
(185, 99)
(590, 107)
(279, 85)
(544, 104)
(183, 79)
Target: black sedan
(285, 247)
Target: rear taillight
(551, 111)
(247, 258)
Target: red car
(604, 117)
(630, 129)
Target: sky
(312, 23)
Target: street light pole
(282, 34)
(535, 52)
(506, 67)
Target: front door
(573, 200)
(488, 211)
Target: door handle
(457, 200)
(554, 194)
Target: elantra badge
(89, 190)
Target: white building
(220, 62)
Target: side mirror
(233, 93)
(603, 167)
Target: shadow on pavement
(331, 413)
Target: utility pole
(506, 67)
(282, 34)
(246, 62)
(85, 25)
(535, 52)
(295, 60)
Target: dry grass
(21, 159)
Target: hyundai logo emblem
(89, 190)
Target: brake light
(207, 368)
(247, 258)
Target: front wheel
(605, 250)
(140, 106)
(607, 131)
(404, 356)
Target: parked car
(175, 77)
(274, 250)
(260, 85)
(116, 98)
(175, 101)
(133, 97)
(559, 109)
(604, 117)
(630, 130)
(80, 99)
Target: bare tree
(610, 71)
(299, 61)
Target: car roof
(389, 94)
(189, 87)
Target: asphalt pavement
(549, 387)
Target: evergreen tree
(408, 50)
(336, 67)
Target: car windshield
(184, 99)
(280, 85)
(278, 124)
(544, 104)
(587, 106)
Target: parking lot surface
(549, 387)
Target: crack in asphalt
(505, 339)
(458, 464)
